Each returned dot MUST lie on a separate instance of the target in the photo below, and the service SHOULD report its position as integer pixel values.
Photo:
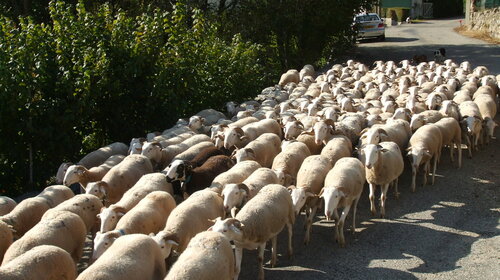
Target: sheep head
(99, 189)
(232, 228)
(233, 136)
(299, 197)
(293, 129)
(234, 194)
(244, 154)
(322, 129)
(110, 216)
(177, 170)
(166, 241)
(103, 241)
(74, 174)
(332, 197)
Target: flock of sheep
(310, 142)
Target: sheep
(310, 180)
(291, 76)
(239, 123)
(292, 129)
(29, 211)
(132, 257)
(239, 137)
(343, 188)
(163, 156)
(6, 205)
(120, 178)
(450, 109)
(82, 175)
(44, 262)
(397, 131)
(6, 238)
(197, 178)
(63, 229)
(61, 171)
(384, 164)
(308, 138)
(149, 216)
(173, 140)
(260, 220)
(424, 146)
(471, 123)
(193, 151)
(147, 184)
(263, 150)
(86, 206)
(488, 109)
(237, 174)
(209, 256)
(430, 116)
(452, 135)
(287, 163)
(135, 146)
(100, 155)
(338, 147)
(235, 194)
(188, 219)
(209, 116)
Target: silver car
(369, 25)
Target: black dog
(440, 55)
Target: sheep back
(7, 204)
(6, 238)
(86, 206)
(26, 215)
(450, 130)
(237, 174)
(44, 262)
(149, 215)
(139, 258)
(291, 158)
(208, 256)
(259, 179)
(266, 214)
(265, 148)
(100, 155)
(338, 147)
(64, 229)
(389, 166)
(193, 151)
(192, 216)
(312, 173)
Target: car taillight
(380, 25)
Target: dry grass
(481, 35)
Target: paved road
(446, 231)
(405, 41)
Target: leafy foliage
(85, 79)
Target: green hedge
(84, 79)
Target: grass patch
(481, 35)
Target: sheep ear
(244, 187)
(120, 210)
(244, 137)
(202, 120)
(251, 151)
(363, 132)
(300, 124)
(172, 242)
(290, 188)
(151, 234)
(320, 195)
(383, 132)
(239, 131)
(11, 227)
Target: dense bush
(84, 79)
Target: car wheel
(381, 38)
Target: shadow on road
(426, 232)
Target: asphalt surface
(446, 231)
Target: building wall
(487, 20)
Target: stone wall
(487, 20)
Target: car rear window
(367, 18)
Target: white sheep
(260, 220)
(86, 206)
(148, 216)
(120, 178)
(429, 116)
(7, 204)
(216, 128)
(310, 180)
(384, 164)
(132, 257)
(29, 211)
(343, 188)
(287, 163)
(239, 137)
(291, 76)
(424, 146)
(44, 262)
(188, 219)
(100, 155)
(235, 194)
(395, 130)
(237, 174)
(173, 140)
(135, 146)
(263, 150)
(208, 256)
(6, 238)
(63, 229)
(488, 109)
(147, 184)
(80, 174)
(450, 109)
(471, 123)
(452, 135)
(161, 157)
(338, 146)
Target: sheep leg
(290, 235)
(355, 205)
(260, 258)
(383, 196)
(395, 184)
(372, 199)
(459, 148)
(467, 139)
(452, 151)
(273, 250)
(413, 177)
(340, 228)
(426, 170)
(434, 170)
(309, 221)
(238, 255)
